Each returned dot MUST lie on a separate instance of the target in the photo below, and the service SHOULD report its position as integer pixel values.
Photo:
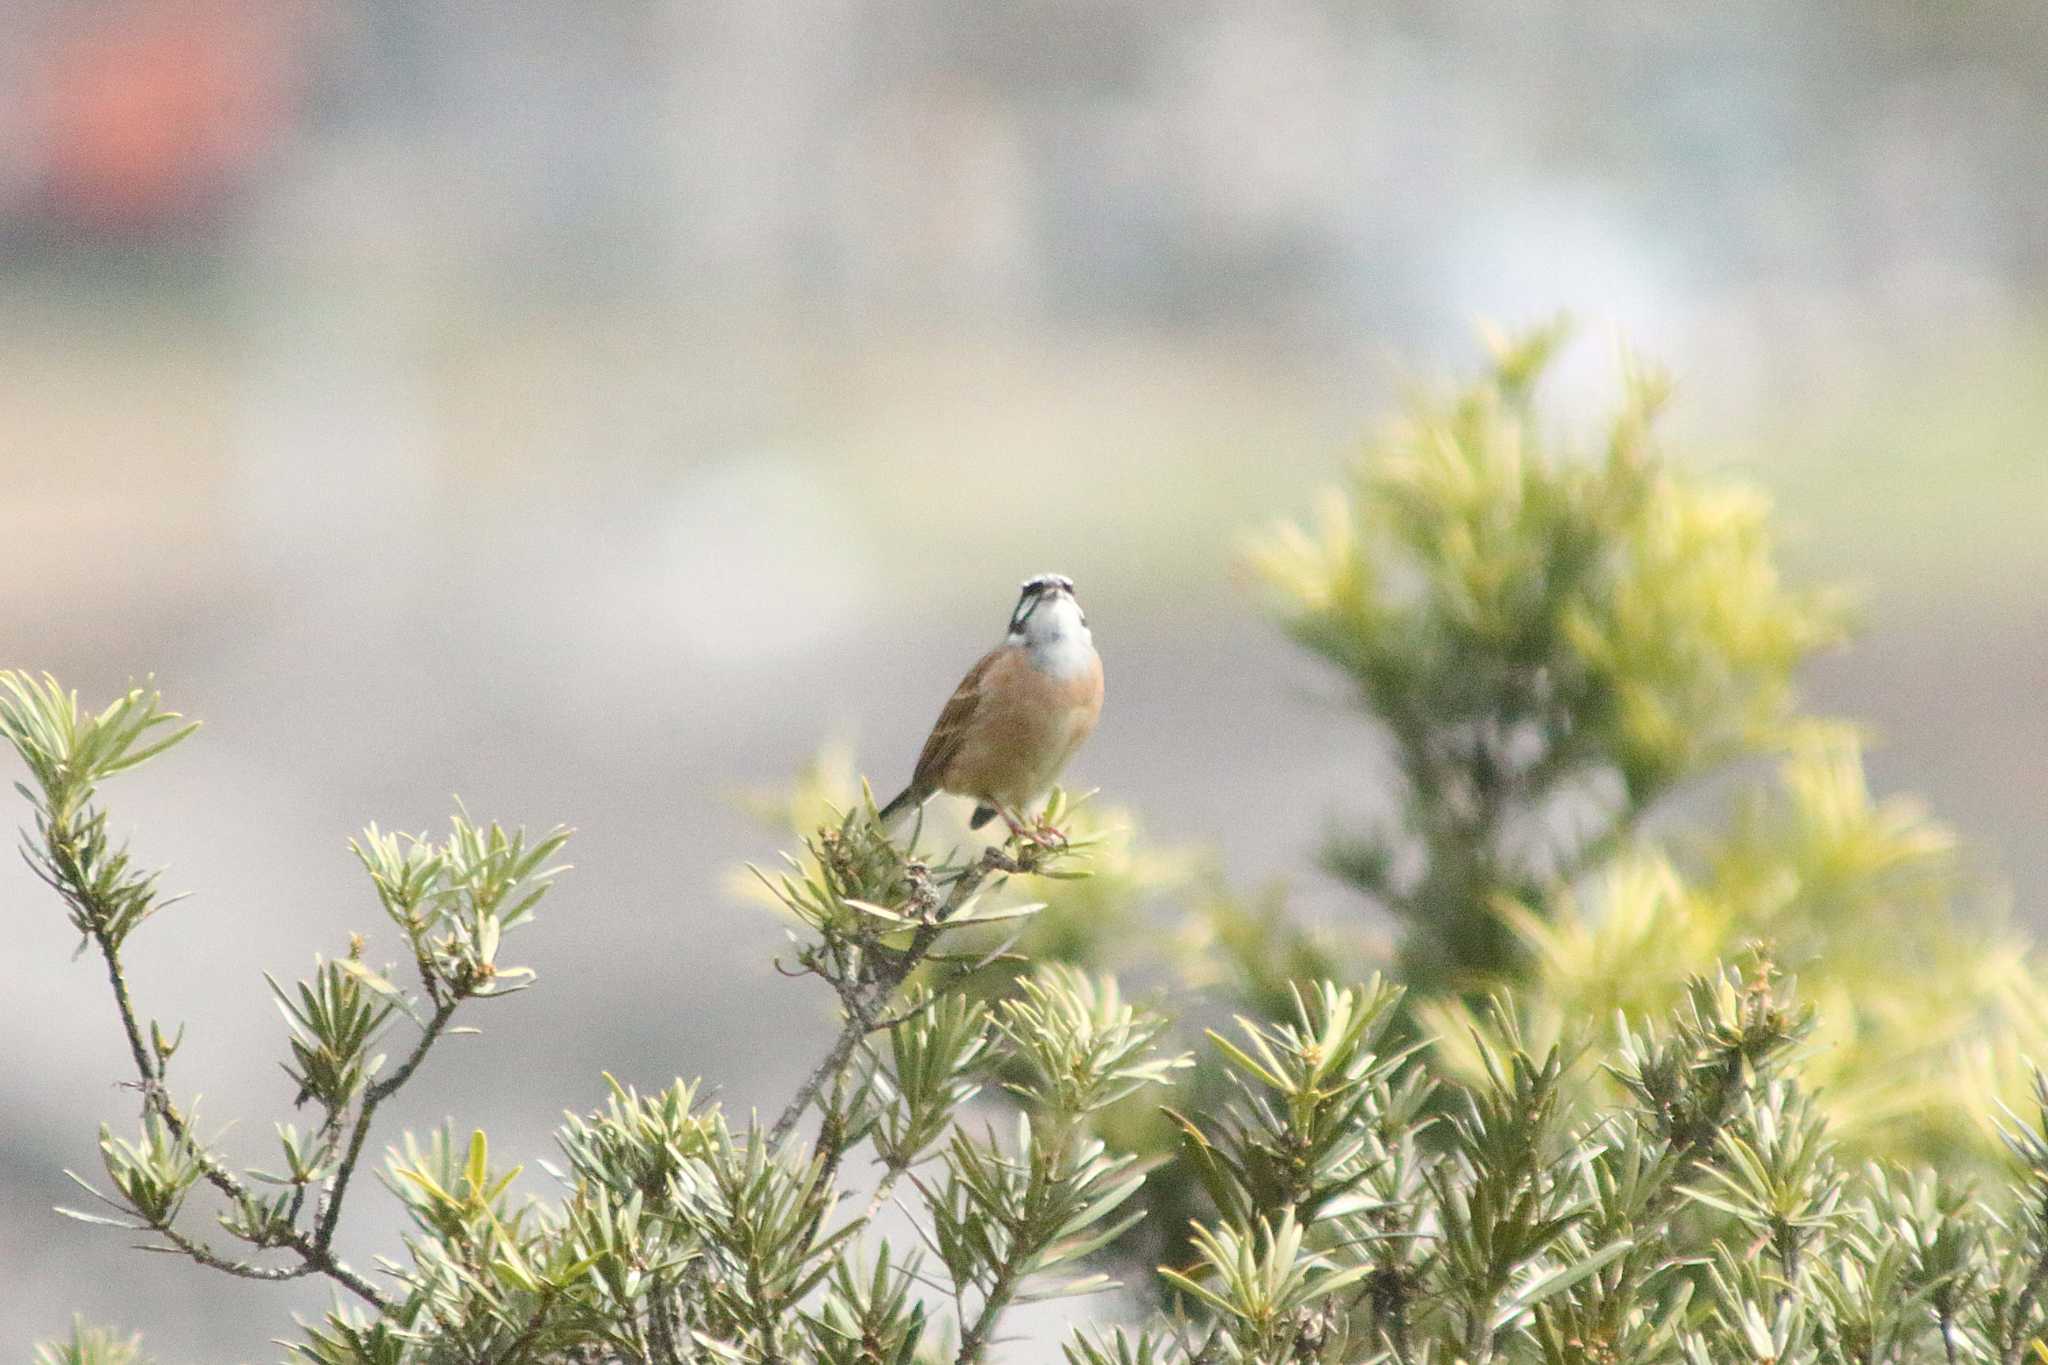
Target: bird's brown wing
(951, 730)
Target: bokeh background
(591, 409)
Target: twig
(863, 1000)
(1025, 1245)
(974, 1340)
(150, 1071)
(337, 1188)
(207, 1256)
(534, 1323)
(314, 1255)
(883, 1189)
(855, 1028)
(2023, 1309)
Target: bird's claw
(1039, 834)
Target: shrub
(1367, 1206)
(1588, 1117)
(1552, 636)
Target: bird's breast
(1028, 723)
(1034, 708)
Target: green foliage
(1855, 896)
(673, 1235)
(1676, 1194)
(454, 901)
(69, 752)
(1552, 637)
(1703, 1217)
(1328, 1073)
(1554, 633)
(1093, 909)
(335, 1020)
(931, 1069)
(1585, 1119)
(89, 1345)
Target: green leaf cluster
(1703, 1216)
(90, 1345)
(1554, 631)
(1552, 634)
(69, 751)
(673, 1233)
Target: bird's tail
(904, 802)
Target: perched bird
(1018, 715)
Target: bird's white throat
(1057, 638)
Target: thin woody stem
(974, 1341)
(830, 1065)
(207, 1256)
(864, 1001)
(330, 1210)
(315, 1257)
(145, 1066)
(883, 1189)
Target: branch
(337, 1188)
(150, 1071)
(1212, 1348)
(314, 1254)
(883, 1189)
(661, 1333)
(2023, 1309)
(207, 1256)
(1026, 1244)
(1001, 1289)
(531, 1332)
(856, 1028)
(864, 1000)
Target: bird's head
(1046, 609)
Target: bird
(1019, 714)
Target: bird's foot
(1040, 833)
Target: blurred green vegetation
(1558, 634)
(91, 1345)
(1552, 638)
(1560, 1126)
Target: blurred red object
(153, 110)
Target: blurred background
(590, 410)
